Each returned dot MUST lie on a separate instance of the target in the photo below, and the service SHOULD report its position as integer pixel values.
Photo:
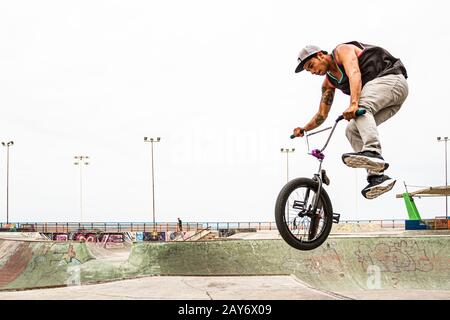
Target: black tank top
(374, 62)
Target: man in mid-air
(376, 82)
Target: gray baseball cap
(305, 54)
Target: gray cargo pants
(382, 98)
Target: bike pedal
(336, 217)
(325, 178)
(299, 205)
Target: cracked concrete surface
(214, 288)
(181, 288)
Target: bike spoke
(298, 215)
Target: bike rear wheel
(299, 224)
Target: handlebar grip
(292, 136)
(358, 113)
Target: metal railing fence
(66, 227)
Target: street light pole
(445, 139)
(152, 140)
(287, 151)
(7, 145)
(80, 161)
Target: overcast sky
(215, 80)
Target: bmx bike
(303, 210)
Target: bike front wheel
(300, 224)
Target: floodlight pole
(7, 145)
(445, 139)
(81, 160)
(152, 140)
(287, 151)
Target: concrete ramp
(32, 264)
(22, 236)
(100, 252)
(340, 265)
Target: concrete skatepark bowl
(406, 266)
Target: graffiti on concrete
(154, 236)
(70, 257)
(107, 240)
(60, 237)
(14, 258)
(396, 257)
(325, 261)
(178, 235)
(112, 240)
(54, 255)
(115, 239)
(86, 237)
(22, 259)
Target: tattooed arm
(324, 108)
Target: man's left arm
(349, 59)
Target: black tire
(326, 215)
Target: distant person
(180, 225)
(376, 82)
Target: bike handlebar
(358, 113)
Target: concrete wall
(340, 264)
(25, 264)
(347, 263)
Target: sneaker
(365, 159)
(377, 186)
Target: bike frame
(318, 154)
(319, 224)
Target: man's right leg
(381, 98)
(379, 183)
(369, 159)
